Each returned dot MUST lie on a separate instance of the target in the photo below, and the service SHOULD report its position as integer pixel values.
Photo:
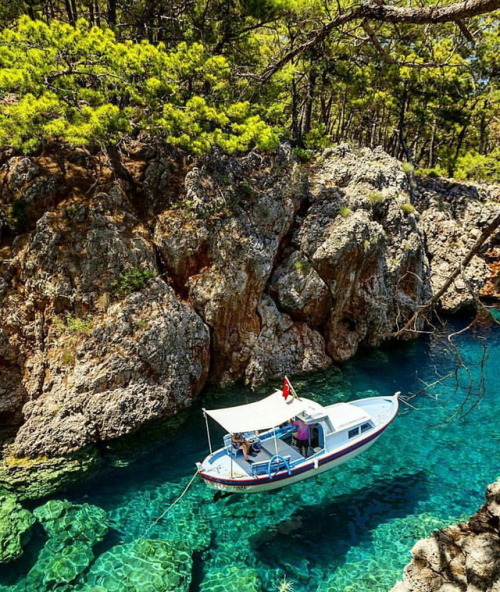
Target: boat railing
(277, 463)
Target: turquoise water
(350, 529)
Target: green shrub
(68, 357)
(73, 324)
(479, 167)
(376, 197)
(303, 154)
(407, 208)
(318, 138)
(302, 266)
(244, 192)
(133, 280)
(408, 168)
(345, 212)
(433, 173)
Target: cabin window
(365, 427)
(354, 432)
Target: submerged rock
(461, 557)
(73, 530)
(59, 565)
(153, 565)
(15, 526)
(232, 579)
(38, 477)
(69, 522)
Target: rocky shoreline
(126, 287)
(461, 557)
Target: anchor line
(171, 505)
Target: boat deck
(267, 451)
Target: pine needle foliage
(79, 85)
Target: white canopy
(262, 415)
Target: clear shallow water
(350, 529)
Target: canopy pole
(208, 432)
(275, 441)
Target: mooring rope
(171, 506)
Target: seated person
(241, 443)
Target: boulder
(237, 578)
(461, 557)
(73, 530)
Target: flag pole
(294, 393)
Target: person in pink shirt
(301, 436)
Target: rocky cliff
(461, 557)
(127, 281)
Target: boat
(337, 433)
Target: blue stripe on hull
(284, 474)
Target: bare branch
(465, 31)
(392, 60)
(374, 11)
(487, 232)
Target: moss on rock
(15, 526)
(34, 478)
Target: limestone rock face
(363, 249)
(299, 290)
(462, 557)
(84, 362)
(284, 347)
(125, 287)
(144, 361)
(452, 219)
(224, 262)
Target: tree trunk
(111, 13)
(306, 115)
(69, 12)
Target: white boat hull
(284, 481)
(222, 473)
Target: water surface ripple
(350, 529)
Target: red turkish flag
(286, 388)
